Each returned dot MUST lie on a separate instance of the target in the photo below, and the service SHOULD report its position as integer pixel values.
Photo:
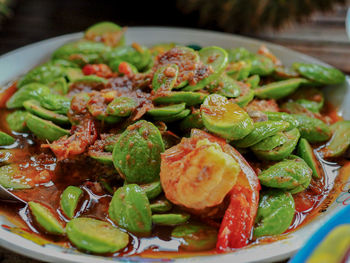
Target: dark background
(35, 20)
(323, 35)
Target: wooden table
(323, 37)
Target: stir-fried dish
(131, 150)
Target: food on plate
(127, 150)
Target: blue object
(341, 217)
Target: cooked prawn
(197, 174)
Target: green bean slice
(279, 89)
(70, 199)
(46, 219)
(170, 219)
(196, 237)
(45, 129)
(320, 74)
(190, 98)
(261, 131)
(96, 236)
(6, 139)
(339, 142)
(130, 209)
(164, 78)
(34, 107)
(305, 151)
(167, 111)
(225, 118)
(292, 174)
(214, 57)
(275, 213)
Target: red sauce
(87, 174)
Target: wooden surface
(323, 37)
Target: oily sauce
(85, 173)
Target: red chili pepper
(236, 226)
(125, 68)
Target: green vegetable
(167, 111)
(17, 121)
(162, 48)
(161, 206)
(239, 70)
(152, 190)
(237, 54)
(292, 174)
(170, 219)
(90, 80)
(6, 139)
(306, 153)
(275, 213)
(46, 219)
(282, 116)
(340, 140)
(194, 120)
(111, 140)
(42, 94)
(12, 177)
(261, 131)
(253, 81)
(225, 86)
(310, 98)
(44, 129)
(293, 107)
(174, 117)
(69, 200)
(164, 78)
(102, 157)
(74, 73)
(82, 52)
(319, 74)
(279, 89)
(246, 96)
(312, 129)
(96, 236)
(105, 31)
(196, 237)
(63, 63)
(278, 146)
(35, 91)
(43, 74)
(215, 57)
(34, 107)
(225, 118)
(59, 86)
(121, 107)
(261, 65)
(190, 98)
(114, 65)
(285, 73)
(130, 209)
(139, 57)
(136, 154)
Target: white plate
(21, 60)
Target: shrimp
(197, 174)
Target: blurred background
(314, 27)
